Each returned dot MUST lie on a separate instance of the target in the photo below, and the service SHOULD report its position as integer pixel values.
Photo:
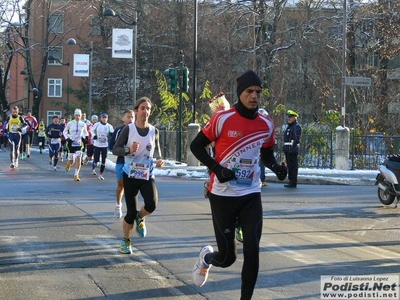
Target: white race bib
(77, 143)
(14, 128)
(244, 172)
(139, 170)
(102, 139)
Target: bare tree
(10, 21)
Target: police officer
(291, 147)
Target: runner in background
(54, 132)
(75, 132)
(101, 132)
(89, 145)
(87, 122)
(218, 104)
(41, 135)
(84, 120)
(33, 126)
(127, 118)
(24, 138)
(14, 125)
(63, 148)
(260, 163)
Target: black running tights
(247, 210)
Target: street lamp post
(51, 57)
(109, 12)
(23, 72)
(72, 41)
(343, 86)
(194, 62)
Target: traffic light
(185, 85)
(172, 80)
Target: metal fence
(317, 151)
(366, 152)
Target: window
(56, 23)
(54, 87)
(50, 114)
(57, 53)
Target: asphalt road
(59, 238)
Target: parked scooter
(388, 180)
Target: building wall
(17, 85)
(76, 24)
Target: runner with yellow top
(14, 125)
(42, 135)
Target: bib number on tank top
(139, 170)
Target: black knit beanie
(247, 79)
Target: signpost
(358, 81)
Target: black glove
(223, 174)
(19, 130)
(95, 137)
(85, 140)
(280, 171)
(69, 141)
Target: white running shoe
(118, 211)
(55, 168)
(101, 177)
(94, 172)
(201, 268)
(16, 163)
(12, 166)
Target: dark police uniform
(291, 148)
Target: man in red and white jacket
(242, 136)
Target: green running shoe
(239, 234)
(125, 247)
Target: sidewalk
(306, 176)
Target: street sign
(358, 81)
